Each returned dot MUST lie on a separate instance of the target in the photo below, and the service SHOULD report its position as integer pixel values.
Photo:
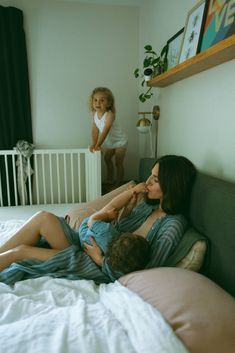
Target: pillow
(200, 312)
(194, 259)
(75, 215)
(190, 253)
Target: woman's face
(153, 186)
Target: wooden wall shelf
(213, 56)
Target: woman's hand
(94, 251)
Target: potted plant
(152, 65)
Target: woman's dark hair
(128, 252)
(176, 177)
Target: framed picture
(192, 31)
(174, 46)
(219, 22)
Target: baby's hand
(141, 187)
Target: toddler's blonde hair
(109, 96)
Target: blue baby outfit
(103, 233)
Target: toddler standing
(106, 134)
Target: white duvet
(64, 316)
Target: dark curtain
(15, 110)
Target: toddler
(106, 134)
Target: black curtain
(15, 110)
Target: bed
(60, 315)
(169, 309)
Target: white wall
(73, 48)
(197, 114)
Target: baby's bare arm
(110, 211)
(103, 215)
(122, 199)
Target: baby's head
(108, 95)
(128, 252)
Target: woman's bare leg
(42, 223)
(25, 252)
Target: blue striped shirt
(74, 263)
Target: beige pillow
(201, 313)
(190, 252)
(194, 259)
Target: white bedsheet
(7, 228)
(64, 316)
(25, 212)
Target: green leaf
(143, 82)
(164, 50)
(156, 61)
(148, 47)
(136, 73)
(165, 65)
(141, 98)
(147, 61)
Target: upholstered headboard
(212, 213)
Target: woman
(161, 219)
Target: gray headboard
(212, 213)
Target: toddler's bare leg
(109, 153)
(119, 160)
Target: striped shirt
(74, 263)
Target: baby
(125, 252)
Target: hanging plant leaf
(164, 50)
(147, 61)
(148, 47)
(155, 61)
(142, 98)
(165, 64)
(158, 65)
(136, 73)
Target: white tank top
(115, 138)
